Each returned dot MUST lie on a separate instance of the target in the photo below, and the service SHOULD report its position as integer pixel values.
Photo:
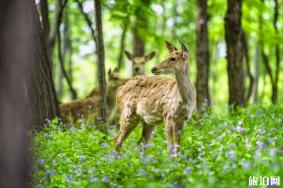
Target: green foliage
(220, 150)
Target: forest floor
(222, 150)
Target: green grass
(221, 150)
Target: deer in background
(87, 107)
(152, 100)
(138, 67)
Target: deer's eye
(173, 59)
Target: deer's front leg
(178, 127)
(126, 127)
(169, 124)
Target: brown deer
(87, 107)
(138, 67)
(152, 100)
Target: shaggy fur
(156, 99)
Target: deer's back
(149, 97)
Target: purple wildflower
(41, 162)
(105, 179)
(281, 151)
(52, 173)
(257, 154)
(247, 164)
(187, 170)
(231, 154)
(82, 159)
(104, 145)
(272, 152)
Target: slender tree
(202, 56)
(248, 67)
(233, 37)
(122, 45)
(277, 54)
(100, 60)
(60, 53)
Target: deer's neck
(185, 86)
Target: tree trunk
(41, 92)
(233, 37)
(122, 45)
(202, 56)
(86, 17)
(138, 43)
(61, 56)
(100, 60)
(277, 54)
(140, 25)
(15, 64)
(45, 19)
(256, 77)
(248, 67)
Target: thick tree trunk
(100, 61)
(41, 92)
(202, 87)
(15, 64)
(233, 37)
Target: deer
(139, 62)
(86, 107)
(154, 99)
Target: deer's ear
(185, 52)
(129, 55)
(171, 48)
(150, 56)
(109, 72)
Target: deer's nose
(137, 69)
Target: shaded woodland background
(60, 50)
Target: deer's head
(176, 62)
(139, 62)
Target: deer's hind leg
(127, 124)
(146, 133)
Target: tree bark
(139, 25)
(202, 56)
(233, 37)
(277, 54)
(248, 67)
(256, 75)
(100, 60)
(15, 63)
(41, 92)
(60, 54)
(122, 46)
(45, 19)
